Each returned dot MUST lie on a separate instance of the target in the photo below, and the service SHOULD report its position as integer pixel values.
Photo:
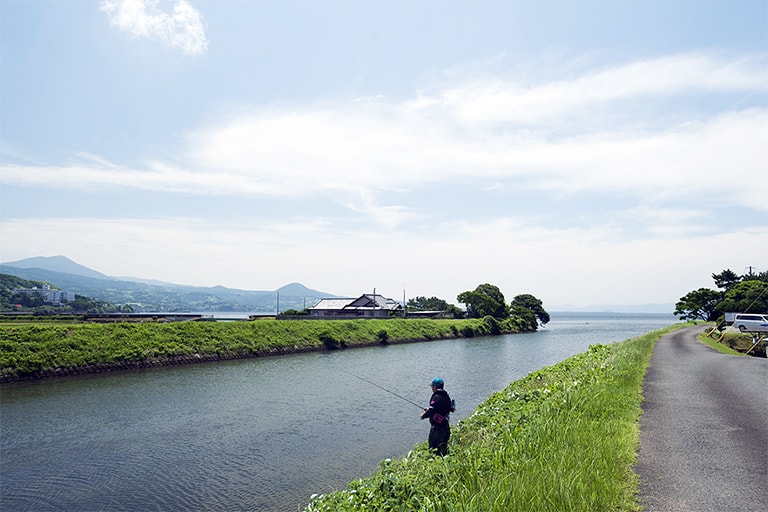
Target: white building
(365, 306)
(55, 297)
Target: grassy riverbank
(563, 438)
(734, 343)
(47, 350)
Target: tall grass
(27, 350)
(563, 438)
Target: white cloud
(354, 152)
(455, 134)
(181, 28)
(500, 101)
(294, 155)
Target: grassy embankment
(49, 349)
(563, 438)
(733, 343)
(724, 346)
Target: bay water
(259, 434)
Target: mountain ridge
(59, 263)
(156, 295)
(66, 274)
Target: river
(257, 434)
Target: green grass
(731, 343)
(28, 350)
(563, 438)
(720, 347)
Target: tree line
(525, 311)
(747, 293)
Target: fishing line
(383, 388)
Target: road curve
(704, 429)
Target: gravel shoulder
(704, 429)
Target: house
(366, 306)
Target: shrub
(492, 324)
(383, 336)
(329, 341)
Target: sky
(585, 152)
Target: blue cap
(438, 382)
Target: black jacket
(439, 408)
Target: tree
(435, 304)
(294, 312)
(29, 300)
(726, 279)
(485, 300)
(749, 296)
(453, 311)
(427, 304)
(699, 304)
(530, 303)
(761, 276)
(523, 319)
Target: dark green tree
(485, 300)
(293, 312)
(453, 311)
(523, 319)
(28, 300)
(699, 304)
(726, 279)
(427, 304)
(435, 304)
(530, 303)
(749, 296)
(752, 276)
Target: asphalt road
(704, 429)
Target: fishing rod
(383, 388)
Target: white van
(749, 322)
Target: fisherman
(440, 407)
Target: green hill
(142, 295)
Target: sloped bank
(562, 438)
(45, 351)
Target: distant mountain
(147, 295)
(60, 264)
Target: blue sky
(587, 152)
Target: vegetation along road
(704, 429)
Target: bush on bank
(740, 343)
(34, 350)
(561, 438)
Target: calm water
(259, 434)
